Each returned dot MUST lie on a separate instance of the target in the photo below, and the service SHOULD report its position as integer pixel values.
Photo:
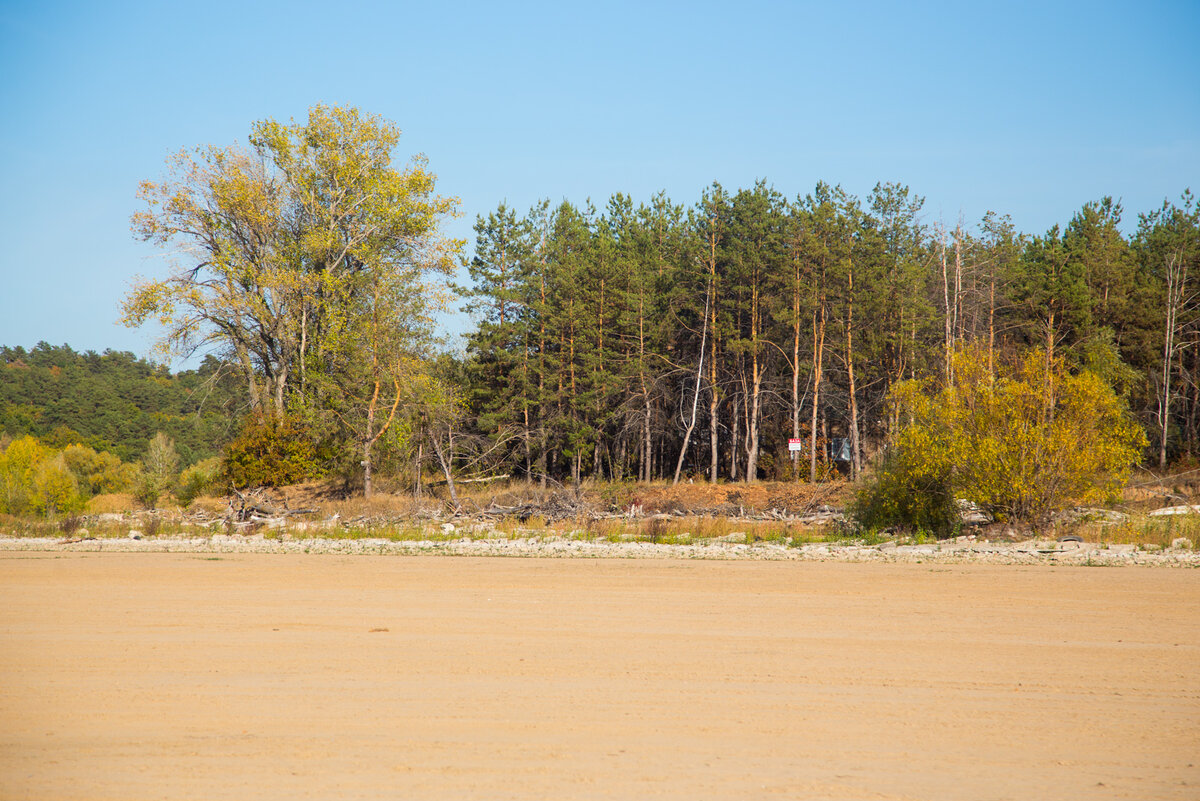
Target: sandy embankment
(272, 676)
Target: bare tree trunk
(543, 466)
(366, 464)
(958, 277)
(417, 470)
(855, 463)
(992, 326)
(713, 421)
(949, 331)
(646, 439)
(818, 362)
(735, 437)
(371, 436)
(687, 436)
(754, 403)
(445, 457)
(795, 385)
(1176, 275)
(528, 434)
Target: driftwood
(253, 505)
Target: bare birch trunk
(755, 399)
(687, 436)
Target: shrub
(159, 470)
(270, 452)
(18, 466)
(1021, 444)
(201, 478)
(98, 472)
(906, 492)
(36, 480)
(54, 489)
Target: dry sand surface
(258, 676)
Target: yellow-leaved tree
(309, 260)
(1022, 443)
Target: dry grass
(1142, 530)
(683, 514)
(208, 505)
(112, 503)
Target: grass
(1143, 531)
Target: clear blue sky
(1030, 109)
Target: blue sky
(1029, 109)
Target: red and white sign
(795, 444)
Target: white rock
(1176, 510)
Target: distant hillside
(114, 401)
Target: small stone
(1181, 544)
(134, 534)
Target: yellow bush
(35, 479)
(1022, 444)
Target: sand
(274, 676)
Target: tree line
(115, 401)
(663, 340)
(744, 335)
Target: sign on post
(795, 444)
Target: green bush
(904, 494)
(158, 472)
(270, 452)
(199, 479)
(98, 472)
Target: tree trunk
(948, 343)
(819, 369)
(992, 326)
(417, 470)
(1176, 274)
(713, 420)
(755, 400)
(445, 458)
(958, 276)
(687, 436)
(795, 373)
(366, 464)
(735, 439)
(855, 464)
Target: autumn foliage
(270, 452)
(1022, 442)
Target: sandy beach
(303, 676)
